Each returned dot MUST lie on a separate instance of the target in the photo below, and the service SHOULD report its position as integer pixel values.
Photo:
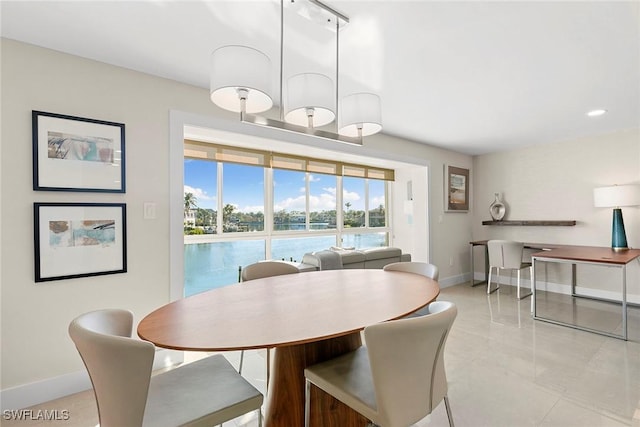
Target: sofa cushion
(342, 248)
(380, 253)
(351, 257)
(324, 260)
(337, 257)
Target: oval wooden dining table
(307, 317)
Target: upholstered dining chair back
(505, 254)
(202, 393)
(423, 268)
(399, 377)
(415, 267)
(407, 364)
(263, 269)
(260, 270)
(119, 366)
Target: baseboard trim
(26, 395)
(453, 280)
(563, 289)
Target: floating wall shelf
(531, 223)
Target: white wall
(35, 345)
(556, 182)
(449, 232)
(34, 317)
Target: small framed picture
(79, 240)
(456, 189)
(77, 154)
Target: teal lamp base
(618, 236)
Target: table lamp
(615, 197)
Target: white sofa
(339, 258)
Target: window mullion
(268, 210)
(366, 204)
(339, 215)
(307, 187)
(220, 177)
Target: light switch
(149, 210)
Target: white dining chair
(506, 255)
(202, 393)
(415, 267)
(261, 270)
(398, 378)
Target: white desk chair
(202, 393)
(398, 378)
(506, 255)
(260, 270)
(422, 268)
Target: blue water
(212, 265)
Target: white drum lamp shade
(234, 68)
(306, 91)
(616, 196)
(360, 110)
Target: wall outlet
(451, 261)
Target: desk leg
(624, 303)
(285, 400)
(533, 287)
(473, 282)
(473, 268)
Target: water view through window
(212, 265)
(238, 213)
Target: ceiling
(473, 77)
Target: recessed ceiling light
(596, 113)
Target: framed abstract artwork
(77, 154)
(79, 240)
(456, 189)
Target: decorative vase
(497, 208)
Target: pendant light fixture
(240, 79)
(240, 82)
(310, 100)
(361, 115)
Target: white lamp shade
(240, 67)
(310, 90)
(616, 196)
(360, 109)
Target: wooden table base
(285, 401)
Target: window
(200, 196)
(353, 199)
(377, 203)
(227, 226)
(243, 198)
(365, 240)
(289, 200)
(322, 201)
(293, 249)
(211, 265)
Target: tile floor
(504, 368)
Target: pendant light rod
(337, 73)
(281, 59)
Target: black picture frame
(73, 240)
(77, 154)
